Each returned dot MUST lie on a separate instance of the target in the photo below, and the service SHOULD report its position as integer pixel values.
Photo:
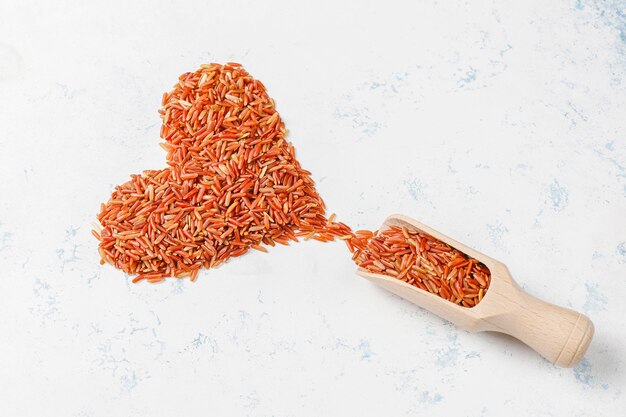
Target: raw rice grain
(421, 260)
(233, 183)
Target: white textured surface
(502, 125)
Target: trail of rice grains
(233, 183)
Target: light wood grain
(560, 335)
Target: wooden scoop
(558, 334)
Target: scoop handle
(559, 334)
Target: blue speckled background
(501, 124)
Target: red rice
(421, 260)
(233, 183)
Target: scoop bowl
(560, 335)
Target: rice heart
(233, 183)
